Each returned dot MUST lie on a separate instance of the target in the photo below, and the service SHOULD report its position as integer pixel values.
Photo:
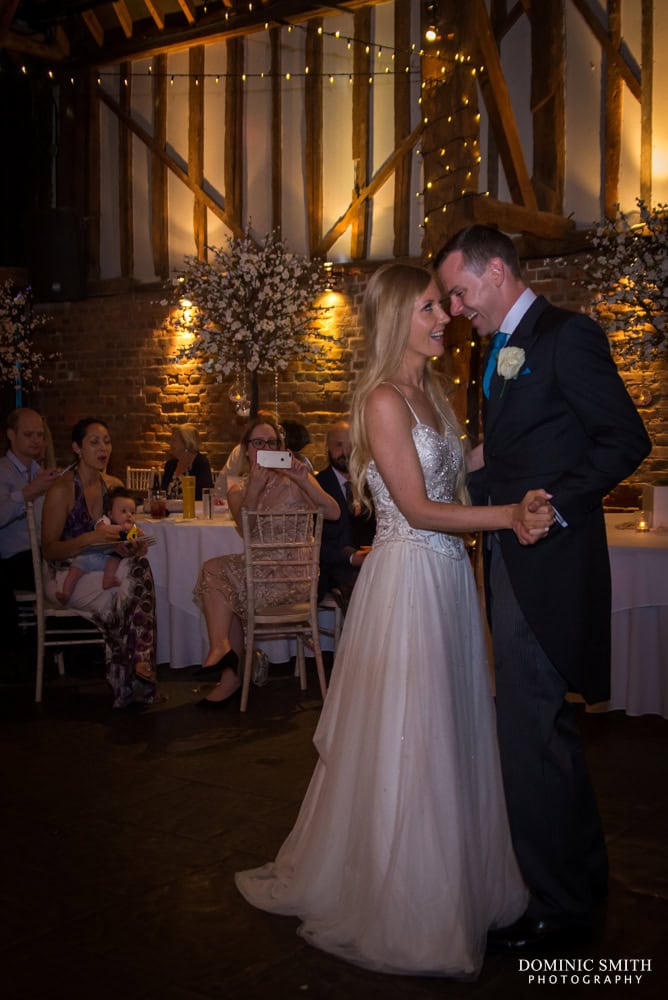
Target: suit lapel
(524, 336)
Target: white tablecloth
(639, 565)
(180, 549)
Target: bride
(401, 859)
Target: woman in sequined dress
(401, 858)
(221, 587)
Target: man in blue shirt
(22, 479)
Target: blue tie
(499, 340)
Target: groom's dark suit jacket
(566, 424)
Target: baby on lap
(119, 508)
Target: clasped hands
(533, 517)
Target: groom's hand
(534, 517)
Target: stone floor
(121, 832)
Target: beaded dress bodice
(440, 458)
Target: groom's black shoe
(529, 933)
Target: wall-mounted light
(334, 276)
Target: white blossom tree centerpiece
(252, 308)
(19, 362)
(627, 271)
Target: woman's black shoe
(213, 672)
(207, 703)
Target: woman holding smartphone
(221, 587)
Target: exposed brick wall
(117, 362)
(561, 284)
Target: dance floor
(121, 832)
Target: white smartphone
(274, 459)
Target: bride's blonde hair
(387, 314)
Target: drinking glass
(158, 504)
(188, 490)
(207, 504)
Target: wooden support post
(93, 211)
(159, 189)
(612, 141)
(196, 144)
(547, 105)
(361, 130)
(234, 131)
(276, 131)
(646, 100)
(125, 186)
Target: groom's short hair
(478, 245)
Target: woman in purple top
(124, 614)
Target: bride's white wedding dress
(400, 859)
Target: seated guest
(346, 542)
(22, 479)
(237, 460)
(296, 438)
(125, 613)
(221, 588)
(186, 460)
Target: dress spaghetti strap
(413, 413)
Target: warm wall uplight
(180, 322)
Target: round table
(179, 549)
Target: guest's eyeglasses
(264, 442)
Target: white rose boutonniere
(509, 363)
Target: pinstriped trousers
(554, 820)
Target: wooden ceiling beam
(477, 208)
(156, 14)
(152, 40)
(188, 9)
(54, 51)
(124, 17)
(7, 11)
(91, 21)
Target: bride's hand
(533, 517)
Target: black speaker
(56, 269)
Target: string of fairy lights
(384, 61)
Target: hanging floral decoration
(19, 361)
(251, 308)
(627, 271)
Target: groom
(556, 415)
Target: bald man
(22, 479)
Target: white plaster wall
(180, 198)
(516, 62)
(257, 131)
(142, 113)
(382, 119)
(294, 228)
